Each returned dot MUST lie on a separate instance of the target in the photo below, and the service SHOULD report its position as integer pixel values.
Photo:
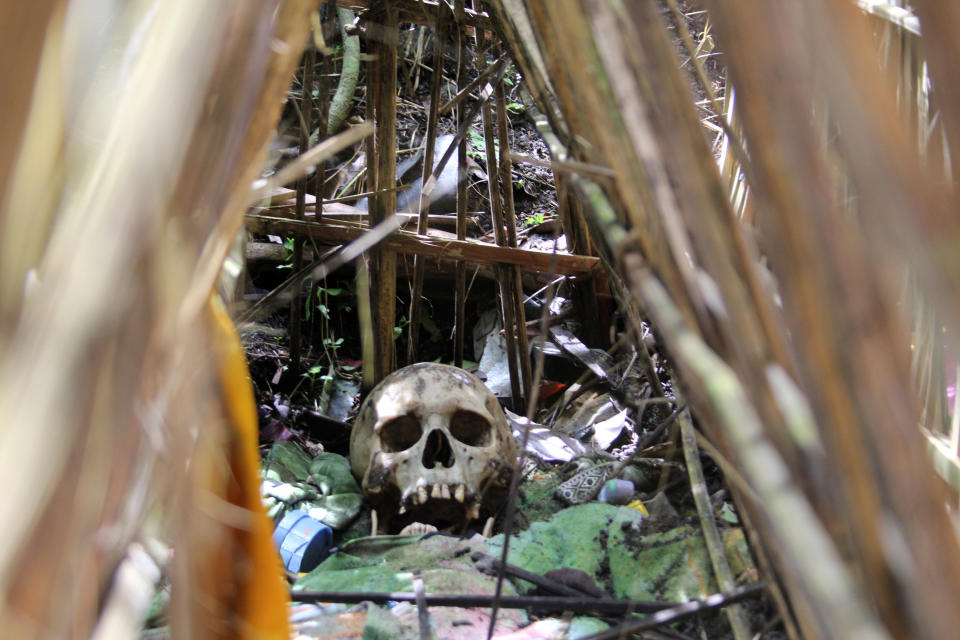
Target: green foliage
(477, 149)
(398, 330)
(323, 300)
(288, 257)
(533, 220)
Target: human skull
(431, 444)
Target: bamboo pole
(460, 285)
(306, 122)
(383, 271)
(430, 141)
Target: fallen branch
(473, 252)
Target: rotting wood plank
(472, 251)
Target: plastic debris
(302, 541)
(543, 442)
(616, 492)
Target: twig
(511, 508)
(478, 81)
(711, 535)
(578, 604)
(413, 335)
(423, 613)
(679, 612)
(365, 242)
(299, 167)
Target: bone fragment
(417, 529)
(488, 528)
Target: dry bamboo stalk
(430, 140)
(306, 123)
(471, 251)
(460, 285)
(510, 220)
(842, 273)
(816, 263)
(383, 271)
(711, 535)
(507, 288)
(825, 586)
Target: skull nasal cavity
(437, 451)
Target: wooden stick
(296, 300)
(510, 220)
(460, 295)
(506, 284)
(472, 251)
(537, 603)
(708, 524)
(383, 271)
(413, 337)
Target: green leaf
(535, 219)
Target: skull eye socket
(400, 434)
(470, 428)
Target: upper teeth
(440, 491)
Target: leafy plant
(477, 147)
(533, 220)
(398, 329)
(323, 300)
(312, 375)
(288, 256)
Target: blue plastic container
(303, 542)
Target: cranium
(431, 444)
